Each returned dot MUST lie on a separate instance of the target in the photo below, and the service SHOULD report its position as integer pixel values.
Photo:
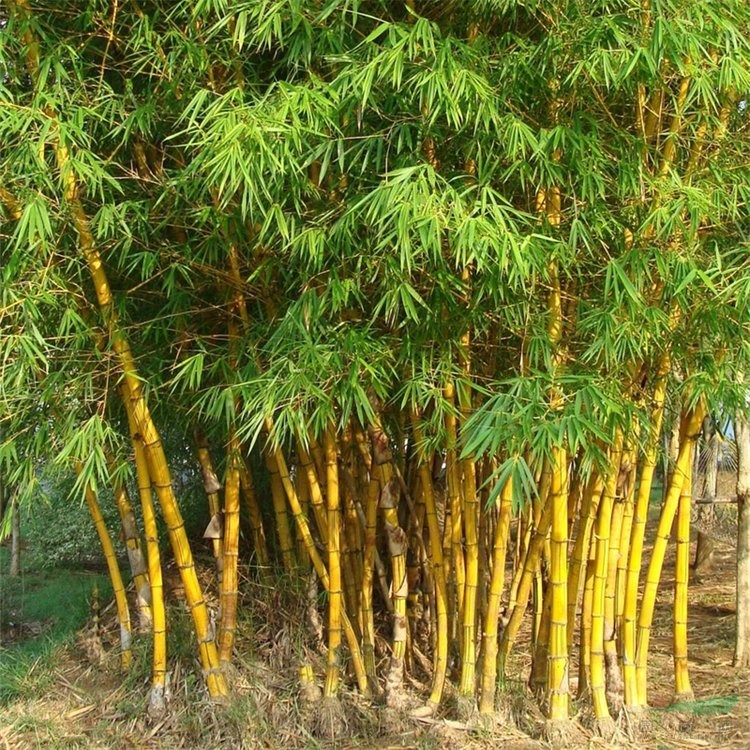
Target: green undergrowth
(40, 612)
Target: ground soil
(90, 707)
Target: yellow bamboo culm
(438, 573)
(453, 480)
(230, 552)
(627, 468)
(286, 544)
(611, 657)
(390, 495)
(157, 698)
(492, 615)
(397, 544)
(118, 589)
(637, 536)
(690, 426)
(557, 672)
(335, 593)
(247, 488)
(368, 569)
(589, 507)
(211, 486)
(470, 512)
(138, 566)
(530, 565)
(587, 606)
(683, 691)
(598, 603)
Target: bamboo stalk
(136, 560)
(335, 593)
(118, 589)
(530, 565)
(589, 507)
(273, 458)
(230, 551)
(211, 486)
(157, 698)
(158, 468)
(255, 517)
(470, 512)
(557, 673)
(691, 424)
(492, 616)
(637, 536)
(683, 691)
(603, 528)
(438, 573)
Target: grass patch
(39, 613)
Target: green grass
(59, 599)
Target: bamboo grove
(419, 286)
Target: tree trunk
(742, 642)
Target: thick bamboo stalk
(147, 431)
(557, 672)
(352, 561)
(611, 659)
(589, 507)
(317, 501)
(470, 512)
(368, 567)
(148, 434)
(627, 473)
(587, 606)
(530, 565)
(335, 593)
(397, 544)
(452, 473)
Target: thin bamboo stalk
(230, 551)
(492, 616)
(118, 589)
(691, 424)
(438, 573)
(637, 536)
(603, 528)
(157, 697)
(682, 690)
